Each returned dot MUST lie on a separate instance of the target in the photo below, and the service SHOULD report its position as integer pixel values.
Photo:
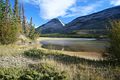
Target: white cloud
(50, 9)
(53, 8)
(82, 10)
(115, 2)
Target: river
(75, 44)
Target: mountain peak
(53, 26)
(57, 20)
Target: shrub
(114, 37)
(42, 72)
(34, 53)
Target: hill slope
(95, 23)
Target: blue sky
(66, 10)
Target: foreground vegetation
(35, 72)
(53, 65)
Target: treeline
(13, 22)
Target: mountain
(95, 23)
(53, 26)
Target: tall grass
(13, 50)
(77, 68)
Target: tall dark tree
(17, 16)
(7, 8)
(32, 30)
(31, 22)
(24, 20)
(16, 9)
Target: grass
(13, 50)
(53, 65)
(7, 50)
(78, 68)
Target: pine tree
(7, 8)
(23, 20)
(17, 16)
(31, 22)
(16, 10)
(32, 30)
(8, 29)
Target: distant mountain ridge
(93, 23)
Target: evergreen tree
(8, 29)
(23, 20)
(16, 10)
(17, 16)
(31, 22)
(32, 30)
(7, 8)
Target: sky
(66, 10)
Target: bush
(49, 72)
(114, 37)
(35, 72)
(34, 53)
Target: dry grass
(85, 72)
(7, 50)
(13, 50)
(76, 67)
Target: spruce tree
(16, 10)
(32, 30)
(17, 16)
(23, 20)
(8, 29)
